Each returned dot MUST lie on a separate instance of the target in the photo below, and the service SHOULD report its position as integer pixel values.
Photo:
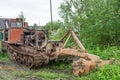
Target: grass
(54, 71)
(108, 72)
(4, 57)
(107, 53)
(50, 75)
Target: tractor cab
(11, 30)
(15, 30)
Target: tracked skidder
(34, 48)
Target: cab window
(13, 24)
(16, 24)
(19, 24)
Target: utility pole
(51, 14)
(39, 27)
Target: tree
(21, 15)
(72, 12)
(56, 25)
(35, 26)
(97, 20)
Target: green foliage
(106, 53)
(49, 75)
(97, 24)
(55, 70)
(35, 26)
(108, 72)
(103, 23)
(21, 15)
(97, 21)
(56, 25)
(102, 75)
(58, 34)
(4, 57)
(0, 46)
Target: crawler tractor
(34, 48)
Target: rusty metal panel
(15, 35)
(15, 20)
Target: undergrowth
(63, 71)
(55, 70)
(4, 56)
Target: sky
(35, 11)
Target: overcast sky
(35, 11)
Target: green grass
(4, 57)
(50, 75)
(55, 70)
(0, 46)
(106, 53)
(108, 72)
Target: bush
(56, 25)
(108, 72)
(97, 21)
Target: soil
(6, 69)
(10, 71)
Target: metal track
(27, 58)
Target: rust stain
(15, 35)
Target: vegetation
(21, 15)
(35, 26)
(4, 57)
(96, 23)
(55, 71)
(56, 25)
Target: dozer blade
(86, 62)
(82, 66)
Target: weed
(4, 57)
(50, 75)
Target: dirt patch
(12, 71)
(9, 66)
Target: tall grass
(108, 72)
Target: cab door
(15, 35)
